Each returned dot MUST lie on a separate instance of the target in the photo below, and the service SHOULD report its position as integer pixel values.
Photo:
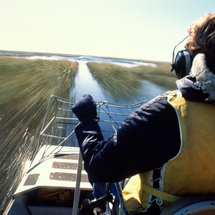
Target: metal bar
(55, 114)
(41, 133)
(119, 192)
(77, 189)
(39, 139)
(53, 136)
(59, 117)
(66, 110)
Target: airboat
(56, 182)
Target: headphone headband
(182, 62)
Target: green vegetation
(26, 86)
(159, 75)
(120, 81)
(25, 89)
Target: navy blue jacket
(148, 138)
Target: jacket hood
(200, 84)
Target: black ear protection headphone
(182, 62)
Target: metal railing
(59, 123)
(59, 126)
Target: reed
(26, 86)
(121, 81)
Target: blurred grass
(25, 89)
(116, 80)
(159, 75)
(26, 86)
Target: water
(84, 83)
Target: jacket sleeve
(148, 138)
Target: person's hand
(85, 108)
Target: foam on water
(120, 62)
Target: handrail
(63, 115)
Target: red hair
(202, 37)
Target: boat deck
(54, 170)
(49, 185)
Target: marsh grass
(25, 88)
(121, 81)
(159, 75)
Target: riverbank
(26, 86)
(116, 79)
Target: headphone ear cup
(182, 64)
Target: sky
(134, 29)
